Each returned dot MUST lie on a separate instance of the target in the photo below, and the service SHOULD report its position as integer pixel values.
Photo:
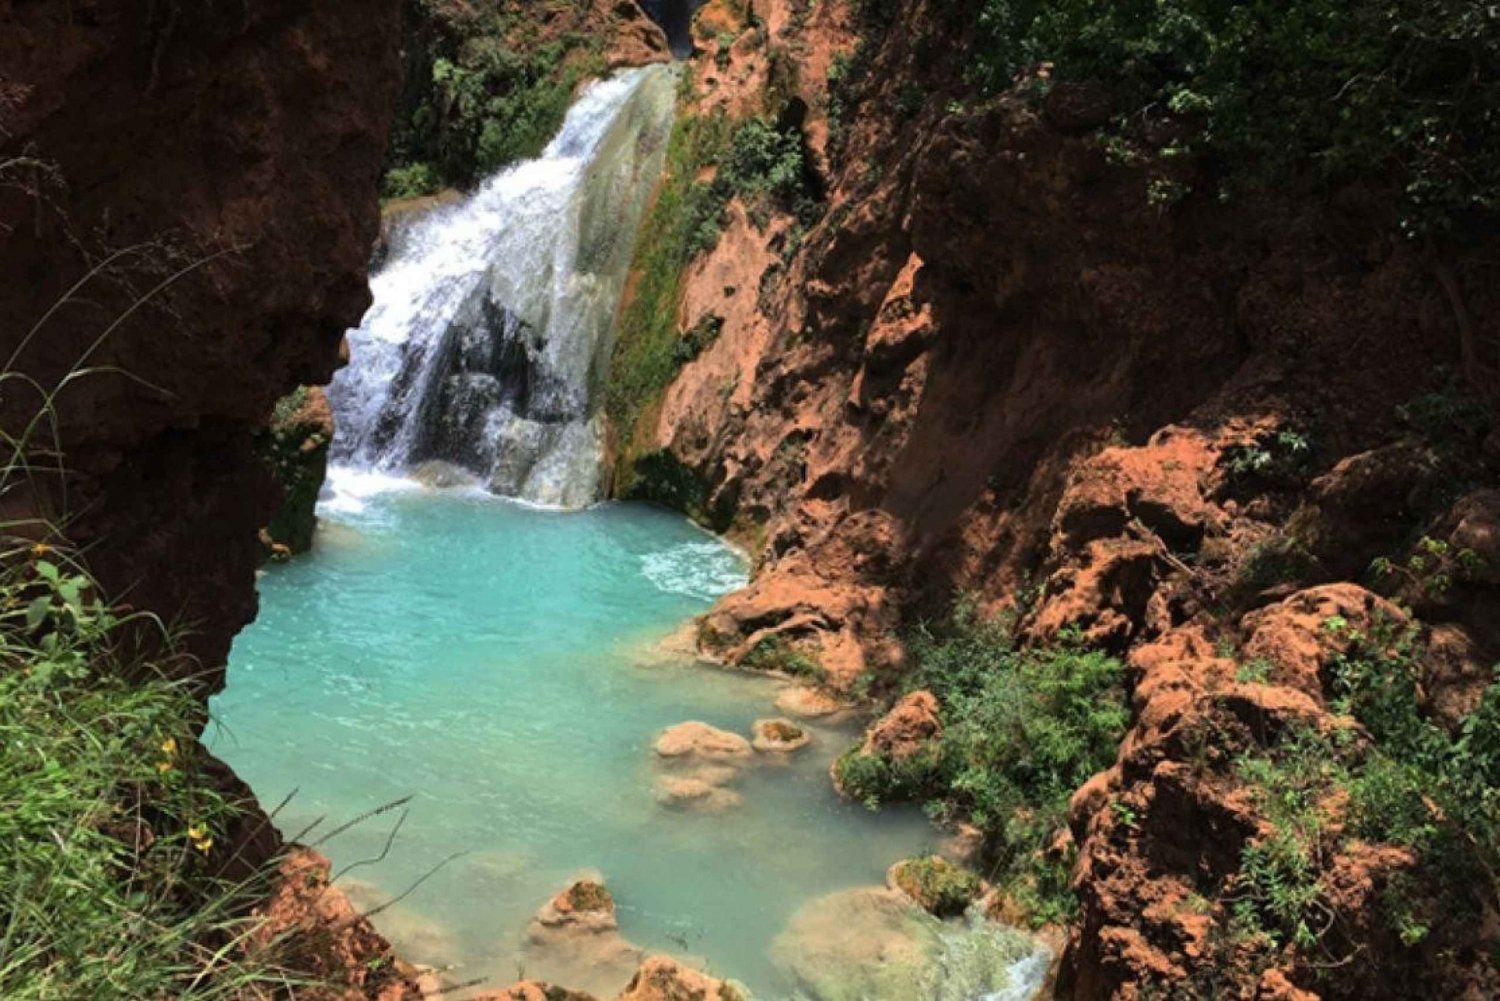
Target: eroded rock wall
(1184, 430)
(188, 212)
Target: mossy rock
(295, 448)
(940, 887)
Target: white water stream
(487, 344)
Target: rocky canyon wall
(187, 211)
(1182, 429)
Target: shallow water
(501, 665)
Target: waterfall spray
(489, 338)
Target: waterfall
(488, 342)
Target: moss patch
(939, 886)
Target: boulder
(935, 884)
(694, 793)
(586, 904)
(701, 742)
(809, 703)
(661, 978)
(1298, 638)
(779, 736)
(908, 728)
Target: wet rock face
(229, 155)
(295, 447)
(676, 20)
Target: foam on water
(696, 569)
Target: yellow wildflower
(168, 748)
(40, 549)
(201, 839)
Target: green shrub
(1279, 891)
(1022, 729)
(1035, 731)
(485, 87)
(877, 779)
(1403, 90)
(1379, 681)
(1279, 460)
(1432, 568)
(1413, 784)
(1447, 415)
(411, 181)
(775, 654)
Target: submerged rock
(534, 990)
(779, 736)
(809, 703)
(417, 937)
(443, 475)
(935, 884)
(874, 943)
(586, 905)
(692, 793)
(575, 939)
(659, 978)
(699, 741)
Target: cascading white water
(490, 333)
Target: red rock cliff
(207, 172)
(995, 366)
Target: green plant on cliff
(1280, 894)
(295, 447)
(1019, 741)
(647, 351)
(113, 832)
(487, 84)
(1399, 778)
(764, 166)
(1450, 779)
(1022, 730)
(1404, 91)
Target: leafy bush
(1280, 893)
(1022, 729)
(484, 88)
(1431, 569)
(1380, 683)
(411, 181)
(1281, 459)
(1019, 744)
(1447, 415)
(776, 654)
(762, 165)
(1405, 90)
(1413, 784)
(876, 779)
